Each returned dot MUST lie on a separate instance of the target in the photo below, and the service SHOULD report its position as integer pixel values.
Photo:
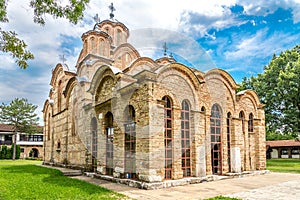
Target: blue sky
(239, 36)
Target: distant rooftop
(283, 143)
(9, 128)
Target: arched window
(73, 130)
(48, 126)
(130, 143)
(119, 37)
(228, 128)
(168, 137)
(242, 117)
(250, 123)
(58, 144)
(101, 47)
(203, 109)
(85, 47)
(215, 134)
(93, 45)
(109, 143)
(94, 142)
(185, 139)
(59, 96)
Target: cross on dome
(165, 48)
(112, 9)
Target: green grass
(22, 179)
(284, 165)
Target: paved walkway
(279, 186)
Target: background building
(31, 144)
(283, 149)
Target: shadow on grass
(53, 177)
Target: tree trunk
(15, 146)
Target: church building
(132, 117)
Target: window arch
(215, 133)
(59, 96)
(250, 123)
(85, 46)
(203, 109)
(119, 37)
(185, 139)
(93, 45)
(242, 117)
(58, 145)
(109, 142)
(168, 118)
(130, 143)
(228, 132)
(101, 47)
(48, 126)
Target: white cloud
(6, 62)
(263, 8)
(259, 45)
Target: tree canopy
(279, 88)
(21, 115)
(17, 48)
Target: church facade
(127, 116)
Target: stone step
(72, 173)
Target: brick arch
(100, 74)
(176, 69)
(229, 85)
(174, 99)
(60, 68)
(225, 76)
(182, 69)
(252, 96)
(142, 62)
(122, 50)
(68, 89)
(104, 89)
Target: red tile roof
(6, 128)
(283, 143)
(9, 128)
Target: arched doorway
(34, 153)
(215, 134)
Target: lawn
(22, 179)
(284, 165)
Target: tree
(279, 88)
(9, 41)
(20, 114)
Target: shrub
(7, 153)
